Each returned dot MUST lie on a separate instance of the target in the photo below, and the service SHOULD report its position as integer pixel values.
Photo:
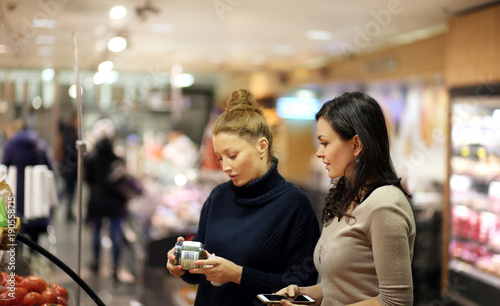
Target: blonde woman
(262, 228)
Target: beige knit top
(370, 255)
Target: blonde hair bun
(242, 99)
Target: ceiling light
(183, 80)
(37, 102)
(44, 23)
(180, 180)
(117, 44)
(72, 91)
(118, 12)
(3, 49)
(48, 74)
(319, 35)
(99, 78)
(112, 77)
(108, 77)
(105, 66)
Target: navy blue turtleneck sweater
(268, 227)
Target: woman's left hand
(221, 270)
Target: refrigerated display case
(471, 274)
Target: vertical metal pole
(82, 148)
(80, 145)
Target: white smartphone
(276, 298)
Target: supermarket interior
(433, 66)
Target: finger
(281, 292)
(206, 262)
(291, 291)
(199, 270)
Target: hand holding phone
(276, 298)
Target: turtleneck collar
(260, 189)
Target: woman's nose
(319, 153)
(225, 166)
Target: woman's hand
(175, 270)
(220, 270)
(290, 291)
(293, 291)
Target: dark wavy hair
(356, 113)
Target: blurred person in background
(103, 204)
(180, 150)
(66, 155)
(261, 228)
(365, 250)
(25, 148)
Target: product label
(188, 258)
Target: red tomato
(19, 294)
(62, 301)
(60, 291)
(8, 285)
(18, 278)
(5, 299)
(32, 299)
(48, 296)
(34, 283)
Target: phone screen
(302, 298)
(273, 297)
(276, 298)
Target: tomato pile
(30, 291)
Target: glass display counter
(473, 223)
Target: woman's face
(242, 161)
(335, 152)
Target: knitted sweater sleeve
(390, 227)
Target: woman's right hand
(290, 291)
(175, 270)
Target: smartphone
(276, 298)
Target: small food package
(9, 222)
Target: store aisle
(160, 288)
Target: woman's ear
(358, 146)
(263, 144)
